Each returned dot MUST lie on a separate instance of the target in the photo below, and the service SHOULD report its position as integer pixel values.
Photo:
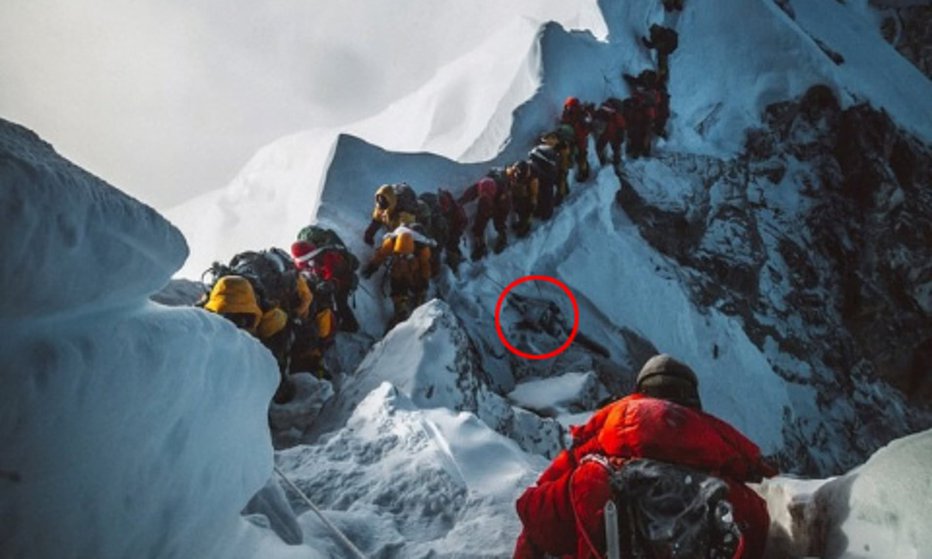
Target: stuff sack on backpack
(272, 274)
(328, 239)
(434, 221)
(675, 512)
(543, 160)
(406, 198)
(321, 237)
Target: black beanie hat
(665, 377)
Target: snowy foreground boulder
(880, 509)
(127, 429)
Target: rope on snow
(336, 531)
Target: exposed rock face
(819, 237)
(909, 29)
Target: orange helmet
(571, 103)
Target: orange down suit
(569, 497)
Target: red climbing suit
(574, 114)
(562, 513)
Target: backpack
(320, 236)
(327, 239)
(667, 510)
(271, 272)
(544, 160)
(434, 220)
(406, 199)
(424, 213)
(521, 188)
(613, 103)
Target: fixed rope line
(336, 531)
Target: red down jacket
(563, 511)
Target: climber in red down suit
(663, 420)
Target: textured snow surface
(878, 510)
(430, 360)
(882, 508)
(408, 482)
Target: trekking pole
(613, 550)
(336, 531)
(488, 277)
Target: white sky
(168, 99)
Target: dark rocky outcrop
(909, 29)
(819, 237)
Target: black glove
(369, 236)
(500, 243)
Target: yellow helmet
(404, 242)
(234, 295)
(385, 198)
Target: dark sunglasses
(241, 320)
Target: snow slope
(127, 429)
(404, 481)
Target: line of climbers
(650, 475)
(419, 229)
(293, 304)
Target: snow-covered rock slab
(431, 360)
(570, 393)
(130, 434)
(881, 509)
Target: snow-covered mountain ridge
(724, 218)
(722, 252)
